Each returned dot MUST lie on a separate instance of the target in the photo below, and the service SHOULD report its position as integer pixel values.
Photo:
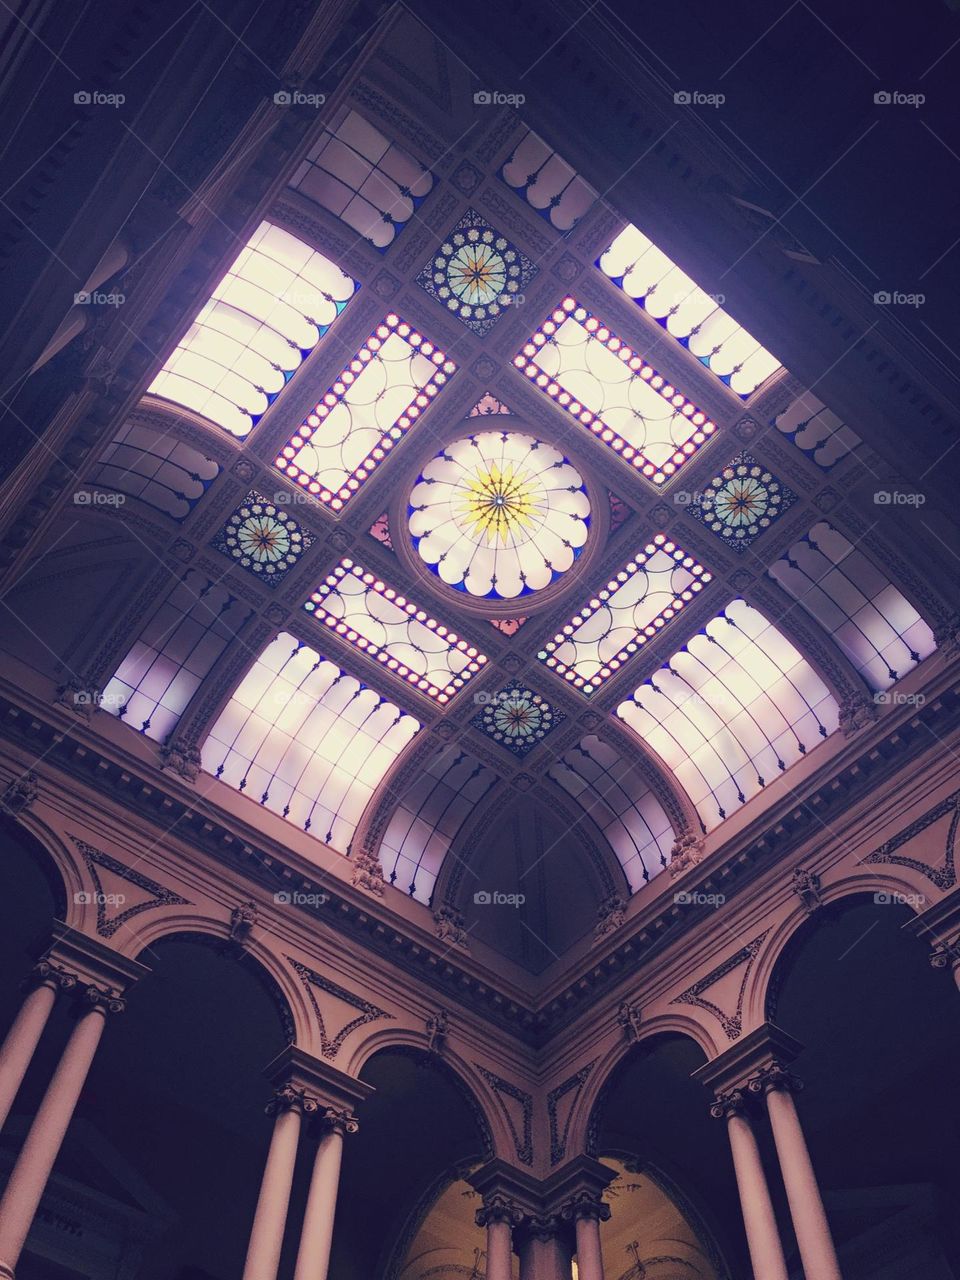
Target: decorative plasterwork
(330, 1041)
(106, 896)
(519, 1117)
(731, 1021)
(560, 1116)
(944, 876)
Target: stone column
(759, 1219)
(22, 1039)
(587, 1212)
(289, 1104)
(545, 1248)
(810, 1225)
(32, 1169)
(313, 1259)
(499, 1215)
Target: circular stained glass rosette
(262, 539)
(476, 272)
(746, 501)
(499, 515)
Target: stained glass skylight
(611, 789)
(376, 399)
(263, 538)
(696, 319)
(516, 717)
(623, 616)
(499, 514)
(731, 710)
(176, 649)
(428, 817)
(370, 183)
(547, 183)
(306, 740)
(817, 430)
(392, 629)
(875, 625)
(267, 313)
(476, 273)
(156, 467)
(613, 392)
(741, 503)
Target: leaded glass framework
(306, 740)
(428, 818)
(547, 183)
(613, 392)
(817, 431)
(373, 403)
(268, 312)
(629, 611)
(157, 468)
(177, 648)
(612, 791)
(694, 318)
(499, 515)
(388, 627)
(875, 625)
(368, 182)
(735, 707)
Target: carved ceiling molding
(107, 925)
(522, 1133)
(560, 1128)
(731, 1022)
(943, 874)
(330, 1044)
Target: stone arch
(789, 934)
(60, 868)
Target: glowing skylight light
(306, 740)
(426, 821)
(731, 710)
(146, 463)
(175, 650)
(875, 625)
(499, 514)
(613, 392)
(693, 317)
(267, 313)
(629, 611)
(385, 625)
(613, 793)
(547, 182)
(370, 183)
(817, 431)
(376, 399)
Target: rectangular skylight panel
(629, 611)
(375, 400)
(613, 392)
(388, 627)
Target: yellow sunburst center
(496, 503)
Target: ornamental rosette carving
(367, 873)
(687, 852)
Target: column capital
(318, 1089)
(498, 1208)
(727, 1103)
(92, 965)
(766, 1047)
(543, 1227)
(47, 974)
(331, 1120)
(774, 1076)
(585, 1204)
